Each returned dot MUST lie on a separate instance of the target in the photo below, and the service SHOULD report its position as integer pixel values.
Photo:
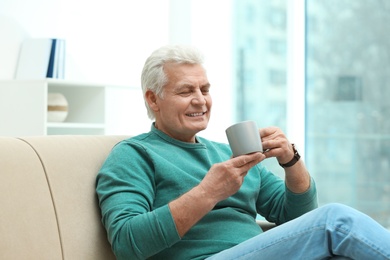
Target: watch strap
(294, 160)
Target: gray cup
(244, 138)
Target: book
(50, 72)
(60, 58)
(41, 58)
(33, 59)
(56, 68)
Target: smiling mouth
(196, 114)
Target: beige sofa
(49, 209)
(48, 203)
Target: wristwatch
(293, 160)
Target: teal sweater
(144, 173)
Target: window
(347, 108)
(346, 89)
(260, 50)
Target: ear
(151, 98)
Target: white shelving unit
(93, 109)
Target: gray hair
(153, 76)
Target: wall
(108, 41)
(212, 33)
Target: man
(170, 194)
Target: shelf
(75, 125)
(75, 129)
(93, 108)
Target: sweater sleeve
(278, 204)
(125, 188)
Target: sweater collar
(169, 139)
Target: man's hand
(221, 181)
(276, 144)
(225, 179)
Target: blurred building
(347, 87)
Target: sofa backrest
(49, 207)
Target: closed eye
(186, 93)
(205, 89)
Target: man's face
(185, 107)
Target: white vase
(57, 107)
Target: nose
(199, 98)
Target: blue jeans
(332, 231)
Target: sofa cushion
(71, 164)
(28, 224)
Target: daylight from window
(347, 134)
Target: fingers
(274, 147)
(275, 143)
(247, 161)
(269, 133)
